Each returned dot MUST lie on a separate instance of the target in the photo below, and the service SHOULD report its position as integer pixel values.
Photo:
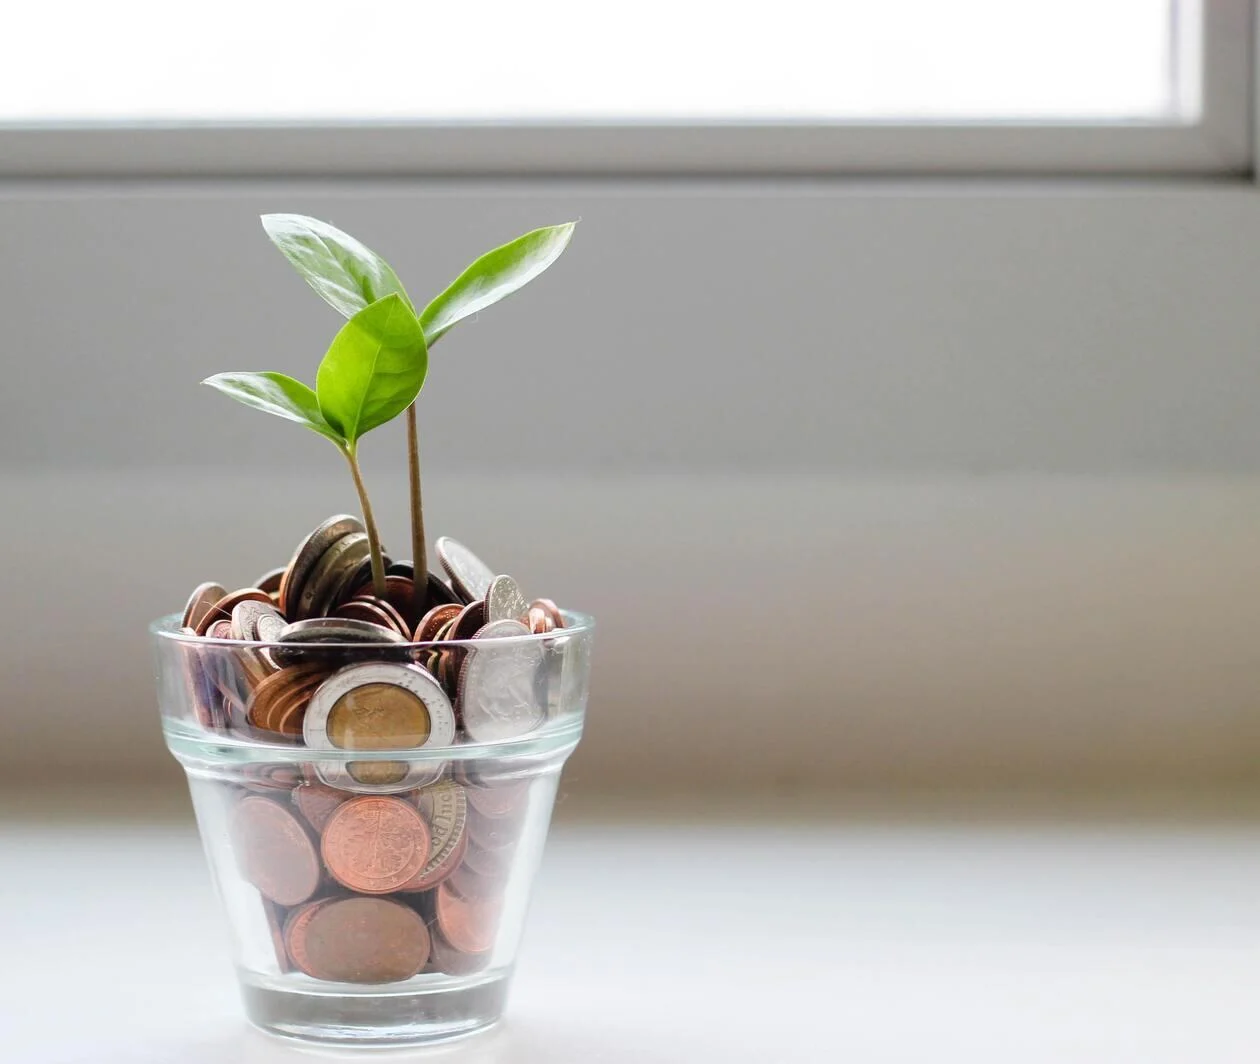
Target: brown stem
(369, 522)
(418, 552)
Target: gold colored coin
(378, 716)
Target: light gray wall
(866, 483)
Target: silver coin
(470, 576)
(498, 692)
(248, 615)
(337, 630)
(411, 679)
(269, 626)
(504, 601)
(347, 552)
(309, 552)
(331, 640)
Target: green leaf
(374, 368)
(349, 275)
(274, 393)
(496, 274)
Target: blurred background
(894, 409)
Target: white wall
(865, 482)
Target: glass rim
(576, 623)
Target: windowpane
(150, 60)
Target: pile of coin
(342, 673)
(365, 888)
(374, 870)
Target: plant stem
(369, 522)
(418, 552)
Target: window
(848, 60)
(675, 86)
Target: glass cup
(373, 815)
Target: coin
(498, 691)
(495, 864)
(551, 609)
(273, 851)
(375, 844)
(308, 552)
(380, 706)
(470, 576)
(431, 623)
(477, 886)
(270, 581)
(273, 699)
(199, 602)
(504, 601)
(247, 616)
(405, 567)
(539, 621)
(222, 609)
(317, 803)
(439, 592)
(293, 933)
(362, 940)
(396, 619)
(467, 924)
(500, 798)
(336, 565)
(469, 622)
(445, 810)
(275, 917)
(445, 958)
(359, 609)
(331, 640)
(496, 833)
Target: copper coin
(468, 925)
(275, 925)
(494, 864)
(433, 621)
(539, 621)
(551, 609)
(477, 886)
(445, 958)
(203, 693)
(497, 832)
(199, 602)
(270, 581)
(219, 630)
(400, 592)
(269, 778)
(375, 844)
(360, 609)
(445, 809)
(273, 850)
(362, 940)
(470, 621)
(396, 619)
(317, 802)
(275, 691)
(222, 609)
(308, 552)
(499, 798)
(293, 934)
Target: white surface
(1104, 941)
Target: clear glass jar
(374, 859)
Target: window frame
(1220, 142)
